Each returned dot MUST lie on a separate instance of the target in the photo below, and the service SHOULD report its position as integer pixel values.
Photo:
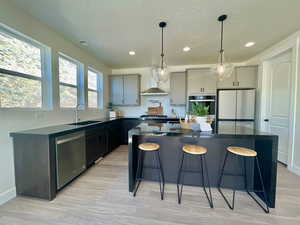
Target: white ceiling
(114, 27)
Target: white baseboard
(7, 195)
(295, 170)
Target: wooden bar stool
(243, 153)
(195, 151)
(149, 147)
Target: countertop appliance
(70, 157)
(206, 100)
(236, 104)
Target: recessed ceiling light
(249, 44)
(132, 53)
(186, 49)
(84, 43)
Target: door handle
(266, 120)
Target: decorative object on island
(223, 69)
(189, 124)
(200, 112)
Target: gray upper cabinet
(125, 90)
(178, 88)
(116, 90)
(131, 90)
(201, 81)
(242, 77)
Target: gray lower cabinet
(178, 88)
(125, 90)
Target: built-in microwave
(206, 100)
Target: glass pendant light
(163, 66)
(223, 70)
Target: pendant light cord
(222, 50)
(162, 48)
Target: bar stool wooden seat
(242, 151)
(154, 148)
(149, 146)
(245, 154)
(194, 151)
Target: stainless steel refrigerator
(236, 107)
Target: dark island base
(171, 153)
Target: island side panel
(132, 159)
(32, 166)
(267, 152)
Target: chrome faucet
(76, 112)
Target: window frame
(98, 91)
(45, 59)
(79, 74)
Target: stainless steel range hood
(154, 91)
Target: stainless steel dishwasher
(70, 157)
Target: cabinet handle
(233, 83)
(238, 83)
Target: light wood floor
(100, 196)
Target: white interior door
(280, 98)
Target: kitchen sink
(86, 122)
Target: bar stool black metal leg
(231, 206)
(266, 209)
(139, 172)
(210, 201)
(179, 190)
(160, 176)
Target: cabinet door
(131, 90)
(102, 139)
(230, 82)
(92, 149)
(194, 82)
(201, 81)
(247, 76)
(178, 88)
(116, 90)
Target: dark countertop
(69, 128)
(63, 128)
(173, 129)
(159, 128)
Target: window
(94, 88)
(21, 63)
(68, 81)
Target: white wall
(290, 43)
(14, 120)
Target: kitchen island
(171, 139)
